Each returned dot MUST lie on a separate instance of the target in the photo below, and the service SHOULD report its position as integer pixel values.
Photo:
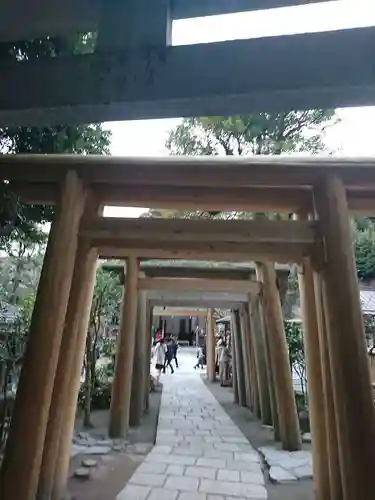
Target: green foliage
(106, 300)
(104, 311)
(294, 337)
(292, 293)
(241, 135)
(369, 325)
(363, 232)
(254, 134)
(21, 265)
(68, 139)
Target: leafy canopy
(240, 135)
(254, 134)
(16, 217)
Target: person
(159, 353)
(218, 349)
(224, 358)
(200, 356)
(168, 356)
(174, 349)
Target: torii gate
(325, 189)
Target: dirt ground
(261, 436)
(108, 478)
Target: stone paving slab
(200, 454)
(288, 466)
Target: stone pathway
(287, 466)
(200, 454)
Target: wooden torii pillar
(62, 413)
(210, 347)
(287, 411)
(249, 375)
(24, 450)
(253, 365)
(234, 363)
(332, 461)
(148, 346)
(324, 451)
(122, 383)
(352, 395)
(239, 355)
(260, 360)
(137, 402)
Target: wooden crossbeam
(281, 253)
(190, 172)
(30, 19)
(179, 311)
(197, 8)
(206, 231)
(167, 296)
(323, 70)
(199, 273)
(203, 285)
(249, 199)
(235, 240)
(179, 197)
(206, 303)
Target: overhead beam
(314, 70)
(191, 232)
(209, 304)
(203, 285)
(277, 252)
(198, 8)
(195, 269)
(277, 172)
(26, 20)
(179, 311)
(166, 296)
(235, 240)
(179, 197)
(199, 273)
(250, 199)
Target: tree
(68, 139)
(254, 134)
(104, 310)
(241, 135)
(21, 266)
(363, 233)
(294, 337)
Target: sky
(352, 136)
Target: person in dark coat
(174, 349)
(168, 356)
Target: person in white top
(224, 358)
(159, 354)
(200, 357)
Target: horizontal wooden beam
(235, 240)
(27, 20)
(319, 70)
(187, 284)
(199, 273)
(209, 304)
(250, 199)
(280, 252)
(191, 232)
(198, 8)
(189, 295)
(179, 311)
(179, 197)
(190, 173)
